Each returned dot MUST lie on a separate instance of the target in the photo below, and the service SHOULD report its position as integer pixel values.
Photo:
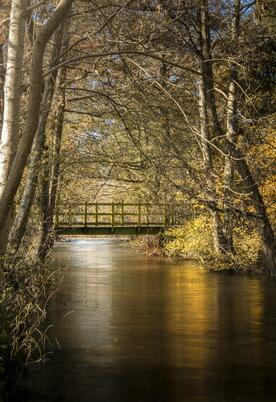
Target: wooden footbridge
(115, 218)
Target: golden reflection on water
(192, 311)
(205, 315)
(255, 304)
(173, 312)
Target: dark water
(150, 331)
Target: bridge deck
(108, 230)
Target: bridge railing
(114, 214)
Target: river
(131, 328)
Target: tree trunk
(4, 235)
(50, 186)
(11, 111)
(2, 81)
(19, 225)
(263, 225)
(221, 244)
(231, 129)
(220, 241)
(13, 180)
(12, 88)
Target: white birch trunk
(12, 88)
(231, 130)
(11, 110)
(2, 80)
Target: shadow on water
(137, 329)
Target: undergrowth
(151, 245)
(194, 241)
(25, 289)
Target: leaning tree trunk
(206, 101)
(2, 81)
(263, 224)
(221, 244)
(49, 187)
(12, 101)
(10, 187)
(20, 223)
(231, 129)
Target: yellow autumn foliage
(192, 240)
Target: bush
(247, 244)
(194, 240)
(151, 245)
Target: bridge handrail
(143, 210)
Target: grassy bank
(25, 288)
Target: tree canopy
(165, 101)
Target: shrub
(151, 245)
(193, 240)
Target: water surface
(137, 329)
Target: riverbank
(25, 289)
(194, 241)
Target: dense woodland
(162, 100)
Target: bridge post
(96, 214)
(139, 215)
(123, 213)
(70, 215)
(113, 217)
(85, 217)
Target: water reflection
(146, 330)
